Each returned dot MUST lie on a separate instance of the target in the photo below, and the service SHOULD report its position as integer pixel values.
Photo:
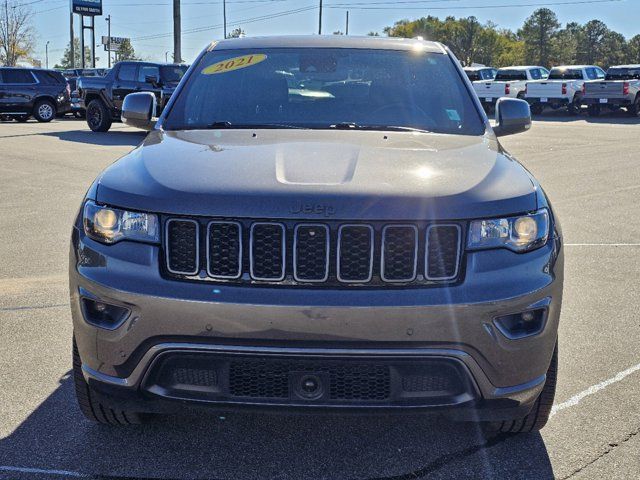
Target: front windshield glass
(172, 73)
(326, 88)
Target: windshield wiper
(392, 128)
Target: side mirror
(512, 116)
(152, 79)
(138, 110)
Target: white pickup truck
(563, 88)
(509, 82)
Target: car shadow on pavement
(111, 138)
(204, 445)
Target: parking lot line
(594, 389)
(41, 471)
(602, 244)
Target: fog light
(521, 325)
(103, 315)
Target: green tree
(633, 50)
(126, 51)
(65, 61)
(538, 33)
(566, 43)
(614, 50)
(590, 46)
(373, 34)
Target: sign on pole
(115, 43)
(88, 8)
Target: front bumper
(498, 376)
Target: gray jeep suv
(318, 223)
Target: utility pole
(108, 19)
(46, 54)
(93, 41)
(71, 46)
(224, 17)
(320, 20)
(177, 33)
(82, 59)
(346, 30)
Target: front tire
(44, 111)
(92, 408)
(98, 116)
(541, 411)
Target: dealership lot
(590, 169)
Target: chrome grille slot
(355, 253)
(399, 253)
(183, 247)
(267, 251)
(442, 252)
(311, 253)
(224, 250)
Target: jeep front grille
(321, 254)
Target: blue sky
(140, 19)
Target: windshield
(326, 88)
(565, 74)
(623, 74)
(172, 73)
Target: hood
(318, 174)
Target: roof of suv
(327, 41)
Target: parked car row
(570, 87)
(45, 94)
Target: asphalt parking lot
(590, 169)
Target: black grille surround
(356, 381)
(327, 254)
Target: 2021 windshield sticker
(235, 63)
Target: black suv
(32, 91)
(102, 97)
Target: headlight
(521, 234)
(109, 225)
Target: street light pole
(46, 54)
(108, 19)
(320, 20)
(71, 47)
(177, 32)
(224, 17)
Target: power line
(466, 7)
(236, 22)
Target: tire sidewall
(44, 111)
(97, 115)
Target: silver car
(324, 224)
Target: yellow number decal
(234, 64)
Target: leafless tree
(16, 33)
